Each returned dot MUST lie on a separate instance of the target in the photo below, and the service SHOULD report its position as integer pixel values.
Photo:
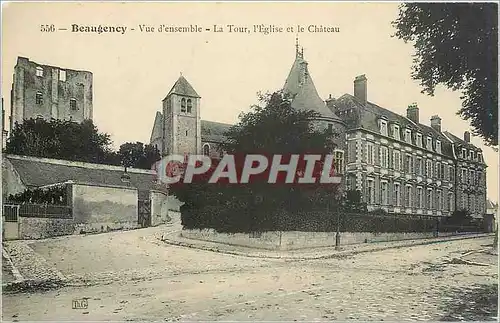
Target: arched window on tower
(206, 149)
(183, 105)
(189, 106)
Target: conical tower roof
(300, 86)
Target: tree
(138, 155)
(271, 128)
(61, 140)
(456, 45)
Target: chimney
(436, 123)
(412, 113)
(467, 137)
(360, 88)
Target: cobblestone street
(146, 280)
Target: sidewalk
(305, 254)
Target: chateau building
(397, 163)
(403, 166)
(49, 92)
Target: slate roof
(213, 131)
(182, 87)
(371, 112)
(300, 86)
(35, 172)
(460, 142)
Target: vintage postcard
(249, 161)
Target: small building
(491, 216)
(98, 197)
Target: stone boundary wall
(293, 240)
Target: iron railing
(37, 211)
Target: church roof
(300, 86)
(182, 87)
(213, 131)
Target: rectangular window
(72, 104)
(429, 143)
(383, 189)
(420, 166)
(464, 176)
(338, 162)
(383, 127)
(479, 157)
(396, 132)
(429, 199)
(370, 191)
(420, 197)
(452, 173)
(438, 146)
(451, 205)
(62, 75)
(419, 140)
(428, 170)
(369, 153)
(408, 162)
(464, 153)
(442, 171)
(397, 160)
(39, 98)
(438, 170)
(39, 71)
(384, 157)
(439, 200)
(397, 194)
(408, 196)
(408, 136)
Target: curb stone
(17, 275)
(333, 254)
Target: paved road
(132, 277)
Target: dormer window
(383, 127)
(183, 105)
(396, 132)
(419, 139)
(429, 143)
(189, 106)
(479, 157)
(39, 71)
(438, 146)
(464, 153)
(408, 136)
(471, 155)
